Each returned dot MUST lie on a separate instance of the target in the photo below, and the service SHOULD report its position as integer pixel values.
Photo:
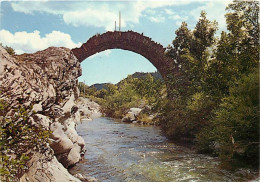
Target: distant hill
(156, 75)
(99, 86)
(139, 75)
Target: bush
(19, 138)
(184, 117)
(235, 128)
(10, 50)
(144, 118)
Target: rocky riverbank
(142, 115)
(46, 83)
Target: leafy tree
(149, 88)
(242, 22)
(191, 52)
(235, 127)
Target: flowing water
(126, 152)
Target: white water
(126, 152)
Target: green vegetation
(18, 140)
(130, 92)
(10, 50)
(235, 126)
(215, 101)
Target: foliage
(10, 50)
(130, 92)
(214, 99)
(236, 122)
(144, 118)
(191, 105)
(19, 138)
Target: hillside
(139, 75)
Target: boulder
(41, 120)
(46, 168)
(70, 158)
(85, 178)
(131, 115)
(60, 141)
(135, 111)
(88, 109)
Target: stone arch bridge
(131, 41)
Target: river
(118, 152)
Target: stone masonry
(131, 41)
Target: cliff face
(47, 81)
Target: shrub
(19, 138)
(144, 118)
(235, 127)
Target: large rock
(88, 109)
(60, 141)
(46, 168)
(46, 81)
(131, 115)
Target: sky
(30, 26)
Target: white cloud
(157, 19)
(91, 17)
(95, 13)
(102, 54)
(215, 11)
(169, 12)
(105, 13)
(178, 23)
(24, 42)
(176, 17)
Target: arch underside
(131, 41)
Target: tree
(235, 127)
(242, 22)
(234, 124)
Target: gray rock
(88, 109)
(126, 119)
(131, 115)
(86, 178)
(46, 168)
(61, 143)
(47, 81)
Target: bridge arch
(131, 41)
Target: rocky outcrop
(46, 81)
(142, 115)
(131, 115)
(46, 168)
(88, 109)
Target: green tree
(235, 127)
(242, 22)
(192, 52)
(232, 78)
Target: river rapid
(118, 152)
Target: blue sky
(29, 26)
